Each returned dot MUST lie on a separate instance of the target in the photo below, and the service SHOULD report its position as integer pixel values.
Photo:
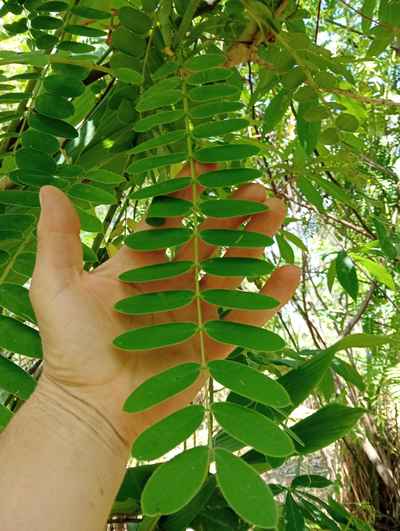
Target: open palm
(78, 323)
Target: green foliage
(162, 386)
(106, 105)
(157, 498)
(244, 490)
(168, 433)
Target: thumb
(59, 254)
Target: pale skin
(64, 454)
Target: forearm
(61, 464)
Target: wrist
(72, 413)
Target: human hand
(78, 323)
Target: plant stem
(196, 257)
(186, 21)
(209, 393)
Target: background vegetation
(318, 82)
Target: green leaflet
(219, 128)
(36, 179)
(72, 70)
(214, 92)
(89, 223)
(19, 338)
(276, 111)
(245, 491)
(162, 140)
(90, 12)
(44, 41)
(229, 208)
(4, 257)
(157, 272)
(236, 299)
(89, 256)
(53, 7)
(25, 264)
(5, 416)
(54, 106)
(84, 31)
(134, 19)
(104, 176)
(123, 39)
(243, 335)
(15, 97)
(311, 481)
(159, 498)
(310, 192)
(154, 302)
(327, 425)
(24, 76)
(226, 153)
(384, 240)
(293, 515)
(253, 429)
(69, 87)
(160, 118)
(304, 93)
(212, 109)
(19, 198)
(183, 518)
(249, 383)
(15, 299)
(349, 374)
(157, 161)
(162, 386)
(237, 267)
(132, 485)
(53, 126)
(15, 380)
(300, 382)
(159, 99)
(16, 222)
(330, 137)
(34, 160)
(285, 249)
(313, 514)
(235, 238)
(124, 61)
(166, 187)
(228, 177)
(7, 116)
(156, 239)
(46, 23)
(346, 274)
(128, 75)
(166, 434)
(10, 235)
(157, 336)
(169, 207)
(376, 270)
(334, 190)
(211, 75)
(165, 70)
(93, 194)
(42, 142)
(347, 122)
(308, 132)
(204, 62)
(360, 341)
(148, 522)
